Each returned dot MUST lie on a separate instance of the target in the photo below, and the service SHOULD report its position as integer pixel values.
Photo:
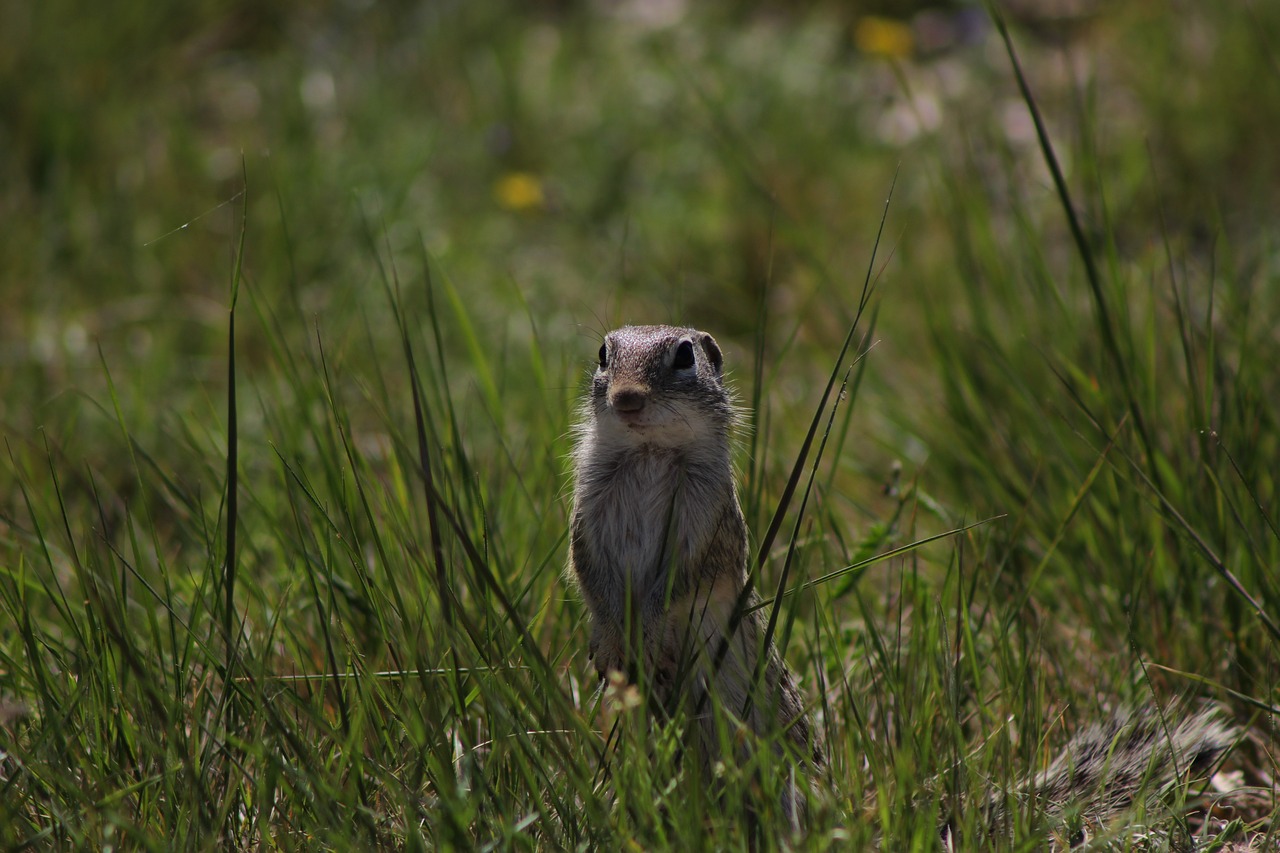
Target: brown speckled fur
(1129, 760)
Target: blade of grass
(1106, 325)
(871, 561)
(233, 450)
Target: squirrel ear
(713, 352)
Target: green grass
(295, 581)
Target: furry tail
(1108, 766)
(1130, 761)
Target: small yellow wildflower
(883, 37)
(519, 191)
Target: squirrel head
(662, 386)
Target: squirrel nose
(628, 400)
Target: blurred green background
(584, 163)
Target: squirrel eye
(684, 356)
(604, 356)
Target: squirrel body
(658, 543)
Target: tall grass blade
(233, 448)
(1106, 325)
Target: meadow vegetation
(300, 300)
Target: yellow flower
(519, 191)
(883, 37)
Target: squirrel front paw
(611, 654)
(606, 652)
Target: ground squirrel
(659, 550)
(659, 544)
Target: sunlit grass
(334, 615)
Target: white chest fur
(647, 508)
